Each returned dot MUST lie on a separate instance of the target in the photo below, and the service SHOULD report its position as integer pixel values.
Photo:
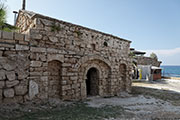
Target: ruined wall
(142, 60)
(14, 67)
(54, 58)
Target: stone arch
(92, 57)
(104, 76)
(123, 75)
(54, 79)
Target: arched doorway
(54, 79)
(92, 82)
(123, 76)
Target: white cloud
(164, 52)
(167, 56)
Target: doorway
(92, 82)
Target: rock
(2, 84)
(7, 35)
(22, 47)
(18, 36)
(53, 39)
(20, 90)
(33, 89)
(22, 75)
(9, 65)
(37, 49)
(9, 93)
(10, 84)
(11, 75)
(46, 22)
(36, 64)
(15, 99)
(58, 57)
(2, 75)
(42, 57)
(36, 36)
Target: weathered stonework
(62, 60)
(142, 60)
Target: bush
(154, 56)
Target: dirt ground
(159, 100)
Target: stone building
(50, 58)
(140, 59)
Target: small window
(105, 44)
(93, 46)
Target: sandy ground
(145, 106)
(165, 84)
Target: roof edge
(33, 15)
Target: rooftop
(33, 15)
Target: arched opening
(92, 82)
(123, 75)
(54, 79)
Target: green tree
(2, 15)
(154, 56)
(3, 25)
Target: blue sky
(151, 25)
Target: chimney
(24, 5)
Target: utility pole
(24, 5)
(15, 15)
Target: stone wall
(14, 67)
(54, 57)
(142, 60)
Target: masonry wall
(14, 67)
(53, 58)
(142, 60)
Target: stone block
(53, 39)
(2, 84)
(9, 65)
(9, 93)
(10, 84)
(20, 90)
(15, 99)
(10, 75)
(7, 35)
(23, 42)
(2, 74)
(19, 36)
(36, 36)
(36, 64)
(27, 38)
(21, 47)
(3, 46)
(37, 49)
(42, 57)
(58, 57)
(22, 75)
(33, 89)
(46, 22)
